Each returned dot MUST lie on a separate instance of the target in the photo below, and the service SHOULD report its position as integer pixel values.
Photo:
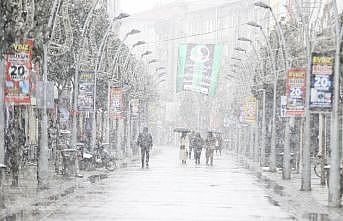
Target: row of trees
(289, 44)
(68, 36)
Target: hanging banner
(198, 67)
(18, 82)
(321, 81)
(295, 93)
(134, 108)
(117, 103)
(85, 99)
(248, 110)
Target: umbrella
(182, 130)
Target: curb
(302, 205)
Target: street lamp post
(273, 64)
(97, 68)
(290, 120)
(113, 68)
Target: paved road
(170, 191)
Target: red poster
(117, 103)
(18, 79)
(295, 92)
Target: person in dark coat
(210, 147)
(144, 141)
(198, 145)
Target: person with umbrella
(184, 145)
(210, 147)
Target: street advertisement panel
(198, 67)
(134, 108)
(117, 103)
(295, 93)
(18, 68)
(248, 110)
(85, 100)
(321, 81)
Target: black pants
(145, 154)
(197, 156)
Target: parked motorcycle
(103, 158)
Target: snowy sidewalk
(26, 195)
(311, 205)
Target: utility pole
(335, 160)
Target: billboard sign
(321, 81)
(248, 110)
(198, 68)
(117, 103)
(85, 100)
(295, 93)
(18, 68)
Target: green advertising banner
(198, 67)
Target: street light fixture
(152, 61)
(138, 43)
(240, 49)
(254, 24)
(146, 53)
(244, 39)
(237, 59)
(262, 5)
(160, 68)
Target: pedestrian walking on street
(184, 145)
(210, 147)
(144, 141)
(191, 144)
(219, 144)
(199, 144)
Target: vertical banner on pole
(85, 100)
(18, 69)
(248, 110)
(321, 81)
(295, 93)
(117, 103)
(134, 103)
(198, 67)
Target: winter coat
(184, 145)
(144, 141)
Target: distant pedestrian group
(195, 144)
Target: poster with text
(18, 68)
(85, 100)
(321, 82)
(198, 67)
(117, 103)
(248, 110)
(295, 92)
